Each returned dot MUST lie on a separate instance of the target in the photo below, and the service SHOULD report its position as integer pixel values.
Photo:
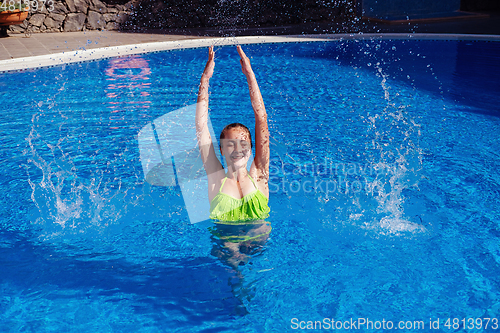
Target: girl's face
(236, 148)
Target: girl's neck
(237, 174)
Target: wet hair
(231, 126)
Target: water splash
(66, 202)
(395, 147)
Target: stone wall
(77, 15)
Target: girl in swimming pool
(246, 193)
(238, 197)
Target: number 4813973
(471, 323)
(31, 5)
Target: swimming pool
(384, 190)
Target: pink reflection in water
(122, 68)
(128, 91)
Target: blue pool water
(384, 192)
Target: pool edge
(56, 59)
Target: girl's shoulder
(261, 178)
(215, 181)
(256, 173)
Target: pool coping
(57, 59)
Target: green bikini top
(227, 209)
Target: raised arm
(262, 153)
(210, 161)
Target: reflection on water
(235, 244)
(128, 79)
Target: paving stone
(57, 17)
(51, 23)
(98, 6)
(71, 5)
(122, 17)
(81, 6)
(95, 20)
(113, 26)
(74, 22)
(58, 8)
(109, 17)
(37, 20)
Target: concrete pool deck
(19, 46)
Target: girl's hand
(246, 68)
(209, 68)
